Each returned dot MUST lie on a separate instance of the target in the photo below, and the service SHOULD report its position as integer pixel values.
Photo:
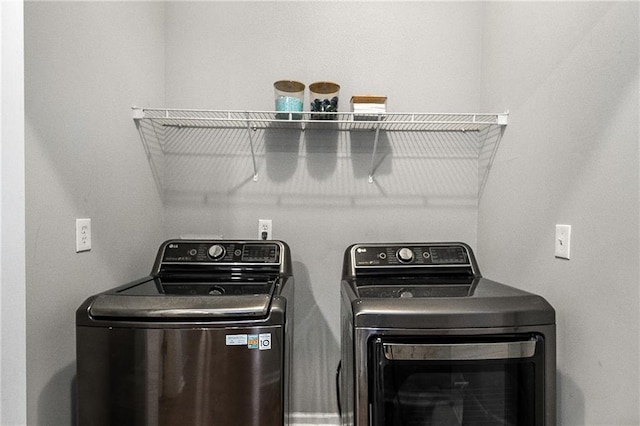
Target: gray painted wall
(535, 59)
(12, 217)
(424, 56)
(86, 64)
(569, 75)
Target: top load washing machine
(203, 340)
(426, 340)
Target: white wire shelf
(345, 121)
(163, 130)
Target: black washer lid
(180, 307)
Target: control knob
(216, 252)
(405, 255)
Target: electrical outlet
(264, 229)
(563, 241)
(83, 235)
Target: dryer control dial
(405, 255)
(216, 252)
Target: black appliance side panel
(197, 376)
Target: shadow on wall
(53, 406)
(570, 399)
(316, 354)
(321, 153)
(433, 168)
(281, 150)
(363, 160)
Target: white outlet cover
(265, 228)
(83, 235)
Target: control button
(426, 255)
(216, 252)
(382, 255)
(193, 252)
(405, 294)
(405, 255)
(216, 291)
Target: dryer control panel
(400, 255)
(416, 256)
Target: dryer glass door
(458, 382)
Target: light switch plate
(563, 241)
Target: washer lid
(154, 298)
(180, 307)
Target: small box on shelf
(368, 107)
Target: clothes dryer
(426, 340)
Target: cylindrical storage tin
(289, 98)
(324, 98)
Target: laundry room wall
(568, 72)
(86, 64)
(424, 56)
(12, 227)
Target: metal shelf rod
(373, 154)
(253, 154)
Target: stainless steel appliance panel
(205, 339)
(423, 332)
(358, 369)
(481, 380)
(180, 376)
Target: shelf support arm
(494, 150)
(373, 154)
(253, 153)
(138, 116)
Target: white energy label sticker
(236, 340)
(265, 341)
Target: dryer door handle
(459, 351)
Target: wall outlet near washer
(83, 235)
(264, 229)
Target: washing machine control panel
(364, 256)
(222, 252)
